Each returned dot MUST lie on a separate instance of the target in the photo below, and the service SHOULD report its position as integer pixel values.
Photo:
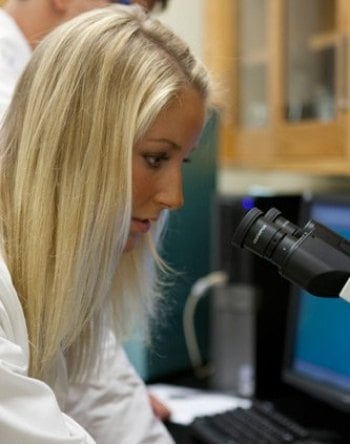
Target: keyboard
(261, 423)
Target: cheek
(142, 186)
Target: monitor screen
(317, 358)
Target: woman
(108, 109)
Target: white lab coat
(113, 407)
(15, 53)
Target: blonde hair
(91, 90)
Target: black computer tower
(248, 315)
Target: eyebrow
(167, 141)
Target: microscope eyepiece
(313, 257)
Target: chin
(131, 244)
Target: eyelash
(154, 161)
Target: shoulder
(12, 39)
(8, 27)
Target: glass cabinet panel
(252, 63)
(310, 60)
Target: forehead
(180, 121)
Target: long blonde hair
(91, 90)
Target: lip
(141, 225)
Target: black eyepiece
(313, 257)
(243, 227)
(262, 234)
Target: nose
(170, 195)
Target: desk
(186, 403)
(324, 422)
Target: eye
(155, 160)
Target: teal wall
(187, 250)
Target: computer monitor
(317, 359)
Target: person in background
(23, 23)
(105, 114)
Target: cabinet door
(254, 71)
(311, 126)
(239, 53)
(283, 65)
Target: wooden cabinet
(282, 73)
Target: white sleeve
(115, 406)
(15, 53)
(29, 411)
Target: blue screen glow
(322, 336)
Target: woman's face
(158, 159)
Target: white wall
(185, 17)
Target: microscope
(312, 257)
